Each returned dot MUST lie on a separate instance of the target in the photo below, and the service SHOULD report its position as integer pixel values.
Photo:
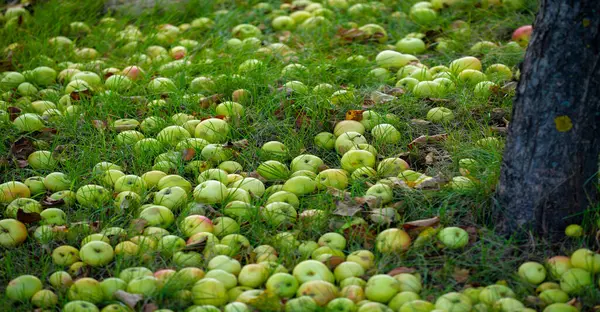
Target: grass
(271, 115)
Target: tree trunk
(549, 172)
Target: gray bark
(549, 175)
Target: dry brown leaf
(434, 183)
(371, 201)
(428, 139)
(346, 209)
(28, 217)
(429, 158)
(188, 154)
(49, 202)
(421, 223)
(13, 112)
(22, 148)
(333, 261)
(138, 225)
(99, 124)
(400, 270)
(150, 307)
(131, 300)
(214, 99)
(461, 275)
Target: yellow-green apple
(252, 185)
(462, 183)
(44, 298)
(551, 296)
(453, 237)
(381, 288)
(411, 46)
(335, 178)
(224, 226)
(195, 224)
(283, 285)
(558, 265)
(310, 270)
(407, 83)
(213, 130)
(127, 201)
(171, 135)
(454, 301)
(157, 215)
(522, 35)
(322, 292)
(171, 197)
(508, 304)
(152, 125)
(109, 177)
(348, 126)
(28, 122)
(440, 115)
(532, 272)
(393, 59)
(130, 183)
(57, 181)
(144, 285)
(278, 213)
(12, 190)
(586, 259)
(306, 162)
(129, 137)
(392, 241)
(325, 252)
(274, 148)
(560, 307)
(401, 298)
(370, 119)
(306, 248)
(239, 210)
(80, 306)
(35, 185)
(325, 140)
(60, 280)
(490, 294)
(213, 174)
(391, 167)
(65, 255)
(423, 15)
(499, 73)
(354, 159)
(253, 275)
(575, 280)
(174, 180)
(230, 109)
(210, 192)
(572, 230)
(341, 304)
(301, 304)
(169, 244)
(87, 289)
(130, 273)
(101, 167)
(161, 85)
(363, 173)
(127, 249)
(300, 185)
(333, 240)
(273, 170)
(12, 233)
(23, 288)
(210, 239)
(427, 89)
(92, 195)
(382, 191)
(225, 263)
(229, 280)
(348, 269)
(236, 307)
(417, 306)
(471, 76)
(53, 216)
(110, 285)
(484, 89)
(467, 62)
(386, 133)
(96, 253)
(355, 293)
(284, 197)
(363, 257)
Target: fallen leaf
(401, 270)
(420, 122)
(380, 97)
(13, 112)
(333, 261)
(421, 223)
(131, 300)
(22, 148)
(214, 99)
(347, 209)
(49, 202)
(428, 139)
(499, 129)
(28, 217)
(473, 235)
(150, 307)
(461, 275)
(188, 154)
(138, 225)
(354, 114)
(371, 201)
(429, 158)
(99, 124)
(78, 95)
(434, 183)
(362, 233)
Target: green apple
(354, 159)
(173, 198)
(301, 304)
(273, 170)
(213, 130)
(386, 133)
(144, 285)
(310, 270)
(53, 216)
(278, 213)
(348, 269)
(575, 280)
(60, 280)
(224, 226)
(586, 259)
(335, 178)
(551, 296)
(393, 59)
(174, 180)
(467, 62)
(87, 289)
(35, 185)
(532, 272)
(194, 224)
(110, 285)
(440, 115)
(92, 195)
(382, 191)
(129, 274)
(127, 201)
(348, 126)
(558, 265)
(80, 306)
(12, 190)
(253, 275)
(453, 237)
(157, 215)
(499, 73)
(306, 162)
(392, 241)
(381, 288)
(347, 140)
(96, 253)
(391, 167)
(210, 192)
(300, 185)
(23, 288)
(65, 255)
(411, 46)
(44, 299)
(401, 298)
(322, 292)
(325, 140)
(561, 307)
(130, 183)
(213, 174)
(490, 294)
(454, 301)
(57, 181)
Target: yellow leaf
(563, 123)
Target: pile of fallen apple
(195, 172)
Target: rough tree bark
(549, 172)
